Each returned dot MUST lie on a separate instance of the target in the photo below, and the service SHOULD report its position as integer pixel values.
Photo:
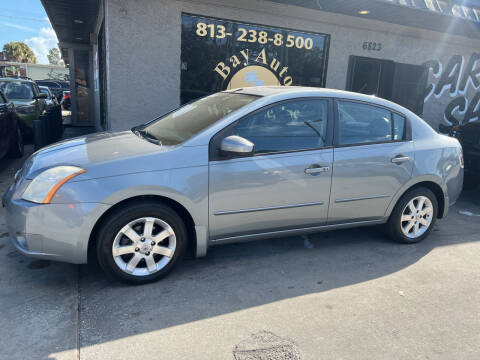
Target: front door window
(290, 126)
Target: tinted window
(366, 76)
(17, 90)
(182, 124)
(361, 123)
(398, 127)
(48, 83)
(44, 91)
(36, 90)
(293, 125)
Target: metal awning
(394, 13)
(72, 20)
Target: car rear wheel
(414, 216)
(141, 243)
(16, 146)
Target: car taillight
(66, 96)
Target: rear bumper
(57, 232)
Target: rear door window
(360, 123)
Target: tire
(165, 249)
(17, 147)
(406, 231)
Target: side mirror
(41, 96)
(236, 146)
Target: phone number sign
(220, 54)
(254, 36)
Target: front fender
(187, 186)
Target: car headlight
(44, 186)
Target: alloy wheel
(144, 246)
(416, 217)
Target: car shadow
(241, 276)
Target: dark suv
(29, 101)
(56, 86)
(11, 129)
(469, 136)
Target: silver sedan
(234, 166)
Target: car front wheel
(141, 243)
(414, 216)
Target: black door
(400, 83)
(409, 83)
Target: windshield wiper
(147, 136)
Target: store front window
(219, 54)
(82, 86)
(401, 83)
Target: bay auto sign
(219, 54)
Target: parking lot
(350, 294)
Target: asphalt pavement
(349, 294)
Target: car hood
(101, 154)
(20, 102)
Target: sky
(26, 20)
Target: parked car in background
(56, 86)
(51, 100)
(469, 136)
(28, 99)
(66, 100)
(238, 165)
(11, 129)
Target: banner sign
(219, 54)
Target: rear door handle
(400, 159)
(316, 169)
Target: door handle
(316, 169)
(400, 159)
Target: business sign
(13, 70)
(219, 54)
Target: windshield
(16, 90)
(188, 120)
(44, 90)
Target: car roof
(299, 91)
(15, 79)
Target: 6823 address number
(372, 46)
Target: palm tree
(19, 52)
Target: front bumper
(50, 231)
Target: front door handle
(400, 159)
(316, 169)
